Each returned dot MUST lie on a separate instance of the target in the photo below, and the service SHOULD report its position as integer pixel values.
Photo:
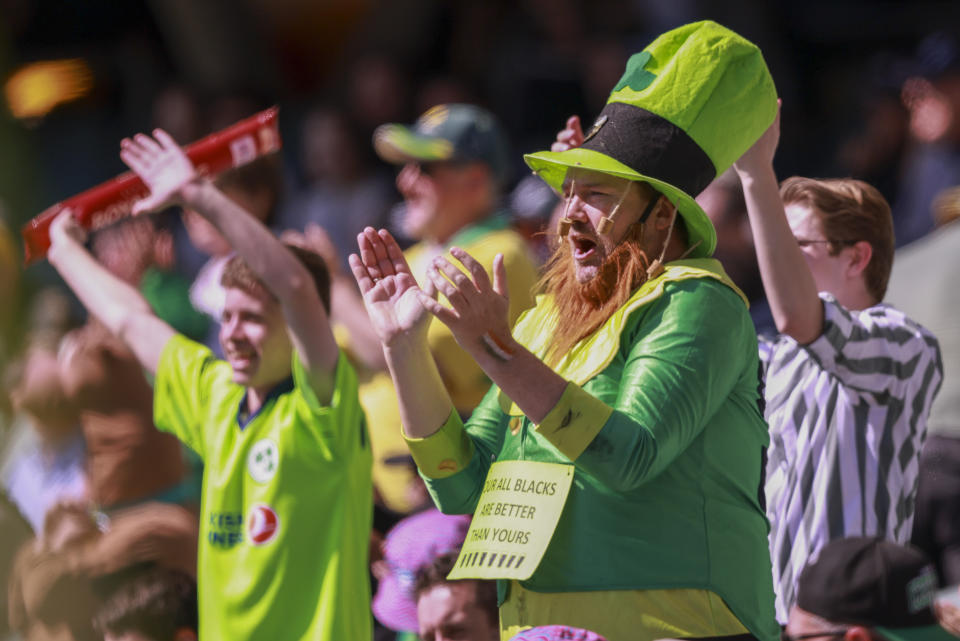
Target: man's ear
(860, 254)
(663, 214)
(185, 634)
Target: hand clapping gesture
(478, 312)
(390, 292)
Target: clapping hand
(390, 292)
(478, 312)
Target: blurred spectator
(175, 110)
(377, 92)
(724, 204)
(343, 194)
(53, 588)
(932, 97)
(50, 464)
(47, 602)
(557, 633)
(140, 251)
(155, 604)
(454, 163)
(411, 545)
(464, 610)
(9, 289)
(864, 589)
(14, 532)
(874, 150)
(924, 285)
(128, 460)
(532, 204)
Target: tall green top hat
(687, 106)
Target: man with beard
(636, 375)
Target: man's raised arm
(117, 304)
(172, 179)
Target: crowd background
(340, 68)
(862, 83)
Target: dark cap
(446, 133)
(875, 583)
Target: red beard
(584, 307)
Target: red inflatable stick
(108, 202)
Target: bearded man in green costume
(636, 374)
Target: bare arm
(118, 305)
(400, 317)
(787, 280)
(346, 307)
(393, 302)
(172, 179)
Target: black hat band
(653, 146)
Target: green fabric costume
(662, 422)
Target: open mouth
(583, 247)
(239, 360)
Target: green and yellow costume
(664, 524)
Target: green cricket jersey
(286, 510)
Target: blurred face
(434, 194)
(254, 339)
(449, 612)
(591, 196)
(828, 270)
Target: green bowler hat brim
(552, 167)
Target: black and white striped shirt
(847, 417)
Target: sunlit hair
(238, 275)
(849, 211)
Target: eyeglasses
(811, 635)
(806, 242)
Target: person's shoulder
(705, 291)
(506, 241)
(182, 354)
(886, 316)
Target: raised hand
(390, 292)
(760, 155)
(570, 137)
(478, 312)
(163, 167)
(65, 229)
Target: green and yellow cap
(446, 133)
(686, 108)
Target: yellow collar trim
(595, 352)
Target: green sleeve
(341, 421)
(454, 460)
(169, 296)
(688, 352)
(186, 373)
